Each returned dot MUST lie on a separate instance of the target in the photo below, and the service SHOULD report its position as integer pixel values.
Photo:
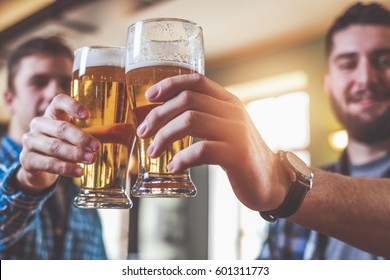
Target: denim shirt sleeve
(17, 209)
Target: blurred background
(268, 53)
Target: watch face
(298, 164)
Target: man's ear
(9, 97)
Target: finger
(65, 131)
(202, 152)
(186, 101)
(170, 87)
(196, 124)
(34, 162)
(57, 148)
(64, 106)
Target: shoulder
(331, 167)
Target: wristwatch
(301, 182)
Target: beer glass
(157, 49)
(99, 84)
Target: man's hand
(54, 146)
(196, 106)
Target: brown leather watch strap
(290, 205)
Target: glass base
(163, 186)
(106, 199)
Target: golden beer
(138, 80)
(102, 90)
(157, 49)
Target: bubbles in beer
(138, 80)
(102, 89)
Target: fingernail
(151, 93)
(88, 157)
(94, 145)
(79, 171)
(142, 128)
(150, 149)
(83, 113)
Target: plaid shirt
(36, 226)
(286, 241)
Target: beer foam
(130, 67)
(98, 56)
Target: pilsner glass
(99, 84)
(157, 49)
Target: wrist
(23, 181)
(300, 180)
(280, 186)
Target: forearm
(338, 206)
(354, 210)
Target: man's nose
(366, 74)
(52, 89)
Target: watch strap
(290, 205)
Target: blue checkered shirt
(44, 226)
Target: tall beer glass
(99, 84)
(157, 49)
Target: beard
(365, 131)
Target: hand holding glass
(99, 84)
(158, 49)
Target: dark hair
(372, 13)
(51, 46)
